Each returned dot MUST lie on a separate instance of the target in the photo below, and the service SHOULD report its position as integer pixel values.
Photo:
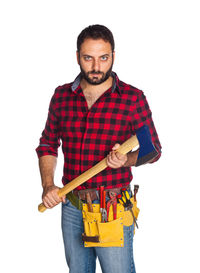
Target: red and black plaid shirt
(88, 135)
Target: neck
(96, 88)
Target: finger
(63, 199)
(120, 156)
(56, 197)
(113, 156)
(48, 204)
(116, 146)
(52, 201)
(112, 163)
(115, 161)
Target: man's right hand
(50, 196)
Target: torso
(91, 98)
(92, 94)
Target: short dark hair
(95, 32)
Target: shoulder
(62, 91)
(130, 91)
(61, 96)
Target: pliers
(113, 202)
(103, 204)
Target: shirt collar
(115, 86)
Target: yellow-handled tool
(121, 199)
(124, 199)
(126, 147)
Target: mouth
(95, 74)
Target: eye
(104, 58)
(87, 58)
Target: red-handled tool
(103, 204)
(113, 202)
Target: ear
(78, 57)
(113, 56)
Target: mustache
(95, 72)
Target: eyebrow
(107, 54)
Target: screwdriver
(121, 199)
(129, 205)
(124, 199)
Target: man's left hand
(115, 159)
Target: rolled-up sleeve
(50, 140)
(143, 116)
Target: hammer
(142, 140)
(136, 187)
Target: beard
(95, 80)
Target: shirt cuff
(159, 154)
(45, 149)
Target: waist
(94, 193)
(112, 178)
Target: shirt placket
(90, 114)
(85, 136)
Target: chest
(91, 98)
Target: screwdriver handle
(125, 194)
(119, 198)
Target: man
(92, 116)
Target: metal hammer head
(147, 150)
(136, 187)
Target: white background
(157, 50)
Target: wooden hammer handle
(126, 147)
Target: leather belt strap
(74, 200)
(94, 193)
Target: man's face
(96, 60)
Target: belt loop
(97, 193)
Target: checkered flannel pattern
(88, 135)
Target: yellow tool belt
(110, 233)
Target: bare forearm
(131, 158)
(47, 165)
(50, 195)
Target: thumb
(116, 146)
(63, 199)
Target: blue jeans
(82, 259)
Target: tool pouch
(128, 217)
(100, 234)
(108, 234)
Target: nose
(96, 65)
